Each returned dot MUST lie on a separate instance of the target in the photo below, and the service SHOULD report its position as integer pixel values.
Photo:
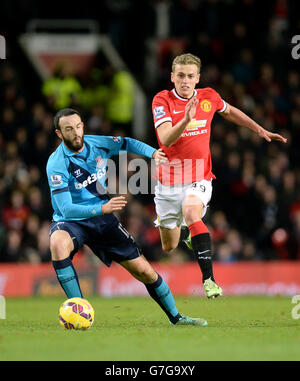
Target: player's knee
(190, 217)
(59, 251)
(191, 214)
(142, 270)
(61, 245)
(192, 209)
(168, 246)
(147, 275)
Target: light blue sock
(160, 292)
(67, 277)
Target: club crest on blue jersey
(99, 161)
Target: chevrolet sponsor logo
(194, 133)
(195, 124)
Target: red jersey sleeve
(221, 104)
(161, 109)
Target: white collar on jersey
(181, 98)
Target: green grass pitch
(129, 329)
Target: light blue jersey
(77, 180)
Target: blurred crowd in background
(245, 50)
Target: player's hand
(190, 109)
(114, 204)
(160, 157)
(269, 136)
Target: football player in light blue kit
(83, 212)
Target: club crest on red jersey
(205, 105)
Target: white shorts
(168, 201)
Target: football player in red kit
(182, 120)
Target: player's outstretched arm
(143, 149)
(234, 115)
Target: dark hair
(61, 113)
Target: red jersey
(189, 158)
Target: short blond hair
(186, 59)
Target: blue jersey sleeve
(115, 144)
(112, 144)
(57, 176)
(70, 210)
(138, 147)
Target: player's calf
(61, 246)
(201, 244)
(160, 292)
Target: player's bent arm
(169, 134)
(234, 115)
(70, 210)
